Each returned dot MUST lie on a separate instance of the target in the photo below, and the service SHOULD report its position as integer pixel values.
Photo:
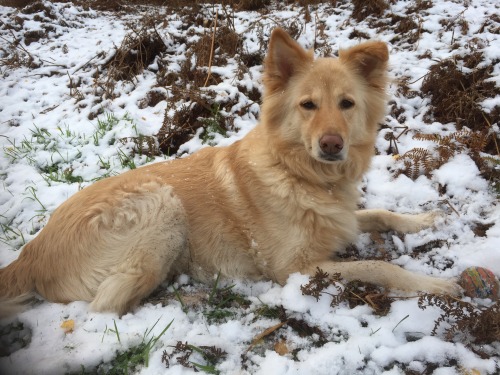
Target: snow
(361, 342)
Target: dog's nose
(331, 144)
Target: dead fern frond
(355, 292)
(360, 293)
(417, 162)
(428, 246)
(474, 141)
(420, 161)
(211, 354)
(465, 321)
(428, 137)
(321, 281)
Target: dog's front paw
(425, 220)
(429, 219)
(443, 286)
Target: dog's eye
(309, 105)
(346, 104)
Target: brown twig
(451, 206)
(494, 137)
(211, 51)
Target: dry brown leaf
(266, 332)
(281, 348)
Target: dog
(281, 200)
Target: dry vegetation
(464, 321)
(460, 321)
(455, 88)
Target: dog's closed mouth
(332, 157)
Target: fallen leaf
(266, 332)
(281, 348)
(68, 325)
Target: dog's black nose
(331, 144)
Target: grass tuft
(130, 360)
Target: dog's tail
(16, 286)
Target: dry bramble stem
(211, 51)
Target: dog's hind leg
(141, 272)
(383, 220)
(123, 291)
(155, 247)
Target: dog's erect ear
(369, 60)
(284, 59)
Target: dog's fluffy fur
(281, 200)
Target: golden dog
(281, 200)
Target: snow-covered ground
(58, 134)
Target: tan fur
(264, 207)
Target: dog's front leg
(383, 220)
(387, 275)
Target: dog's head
(325, 106)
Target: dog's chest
(301, 229)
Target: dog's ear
(284, 59)
(369, 60)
